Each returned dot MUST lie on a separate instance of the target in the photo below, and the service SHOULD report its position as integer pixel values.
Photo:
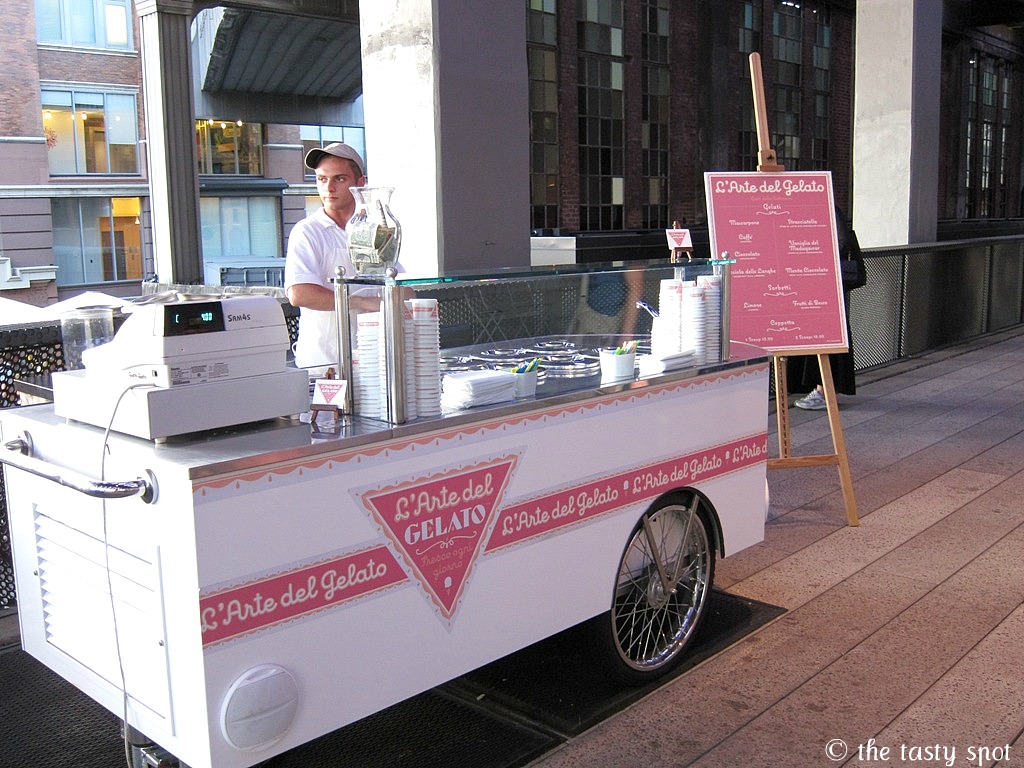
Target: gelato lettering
(438, 524)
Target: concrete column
(896, 121)
(170, 131)
(445, 101)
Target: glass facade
(542, 61)
(600, 72)
(88, 23)
(229, 147)
(989, 126)
(240, 227)
(655, 125)
(784, 105)
(749, 42)
(97, 239)
(90, 132)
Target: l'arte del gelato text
(784, 186)
(286, 596)
(444, 509)
(548, 513)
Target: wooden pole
(766, 157)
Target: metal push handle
(18, 453)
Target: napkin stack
(465, 389)
(651, 365)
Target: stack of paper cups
(712, 285)
(368, 367)
(409, 334)
(665, 329)
(692, 320)
(426, 355)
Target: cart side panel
(373, 574)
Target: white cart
(237, 594)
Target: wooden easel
(767, 161)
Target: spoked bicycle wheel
(664, 578)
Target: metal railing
(922, 297)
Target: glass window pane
(83, 22)
(59, 129)
(97, 251)
(127, 238)
(116, 20)
(234, 226)
(264, 236)
(209, 227)
(122, 135)
(48, 21)
(67, 241)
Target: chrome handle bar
(18, 453)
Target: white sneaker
(813, 401)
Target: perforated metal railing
(26, 351)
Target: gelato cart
(235, 590)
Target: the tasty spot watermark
(949, 755)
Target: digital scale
(187, 366)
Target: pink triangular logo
(679, 238)
(440, 523)
(330, 389)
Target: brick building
(631, 101)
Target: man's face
(334, 176)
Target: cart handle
(18, 453)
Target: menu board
(780, 229)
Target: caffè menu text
(780, 230)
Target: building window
(229, 147)
(96, 239)
(313, 136)
(240, 227)
(90, 132)
(542, 60)
(97, 23)
(989, 125)
(541, 21)
(601, 116)
(654, 125)
(749, 42)
(787, 100)
(821, 67)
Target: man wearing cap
(316, 247)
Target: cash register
(187, 366)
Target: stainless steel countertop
(234, 449)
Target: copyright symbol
(836, 750)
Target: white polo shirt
(316, 247)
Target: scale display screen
(193, 317)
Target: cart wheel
(661, 590)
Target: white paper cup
(526, 383)
(615, 367)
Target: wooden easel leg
(782, 407)
(838, 441)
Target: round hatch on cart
(259, 707)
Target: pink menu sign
(780, 228)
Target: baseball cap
(337, 149)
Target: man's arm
(313, 296)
